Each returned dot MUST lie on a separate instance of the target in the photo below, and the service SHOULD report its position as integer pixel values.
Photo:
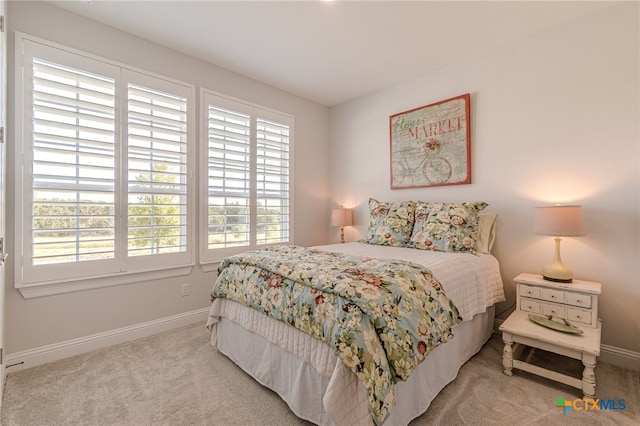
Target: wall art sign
(430, 145)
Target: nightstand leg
(507, 354)
(589, 375)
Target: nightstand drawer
(577, 299)
(529, 291)
(553, 295)
(530, 305)
(554, 310)
(576, 302)
(578, 316)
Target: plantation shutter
(104, 193)
(272, 179)
(157, 172)
(73, 165)
(247, 187)
(228, 178)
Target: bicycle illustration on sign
(431, 167)
(430, 145)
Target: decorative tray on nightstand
(565, 326)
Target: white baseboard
(619, 357)
(613, 355)
(45, 354)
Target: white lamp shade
(559, 221)
(341, 217)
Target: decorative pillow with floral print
(447, 227)
(390, 223)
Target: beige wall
(554, 119)
(37, 322)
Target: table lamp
(341, 217)
(558, 221)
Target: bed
(318, 382)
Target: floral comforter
(381, 317)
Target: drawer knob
(578, 316)
(553, 312)
(553, 296)
(579, 300)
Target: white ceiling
(332, 52)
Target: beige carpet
(177, 378)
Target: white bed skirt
(315, 383)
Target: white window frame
(209, 258)
(34, 281)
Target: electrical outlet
(184, 289)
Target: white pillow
(486, 232)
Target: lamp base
(556, 271)
(558, 280)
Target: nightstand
(576, 302)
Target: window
(107, 154)
(246, 190)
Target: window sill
(210, 266)
(30, 291)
